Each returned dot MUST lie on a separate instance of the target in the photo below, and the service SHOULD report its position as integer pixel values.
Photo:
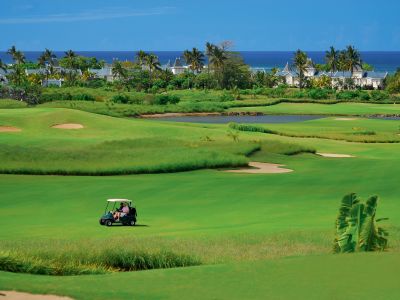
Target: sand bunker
(261, 168)
(68, 126)
(334, 155)
(9, 129)
(345, 119)
(12, 295)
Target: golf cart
(128, 218)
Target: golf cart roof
(119, 200)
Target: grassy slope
(367, 276)
(330, 109)
(107, 144)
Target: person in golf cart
(126, 214)
(122, 211)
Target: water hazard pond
(242, 119)
(220, 119)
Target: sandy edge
(345, 119)
(68, 126)
(261, 168)
(334, 155)
(9, 129)
(13, 295)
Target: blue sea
(381, 61)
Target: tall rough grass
(140, 156)
(359, 137)
(99, 262)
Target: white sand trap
(68, 126)
(335, 155)
(345, 119)
(261, 168)
(9, 129)
(12, 295)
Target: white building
(360, 77)
(104, 73)
(178, 67)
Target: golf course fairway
(248, 236)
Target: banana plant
(356, 226)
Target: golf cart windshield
(113, 202)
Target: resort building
(178, 67)
(103, 73)
(361, 78)
(52, 82)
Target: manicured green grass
(244, 229)
(322, 109)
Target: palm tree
(118, 70)
(42, 60)
(18, 56)
(301, 62)
(50, 56)
(332, 59)
(353, 59)
(70, 56)
(141, 57)
(218, 57)
(209, 52)
(12, 51)
(152, 63)
(195, 59)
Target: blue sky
(179, 24)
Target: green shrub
(84, 97)
(319, 94)
(165, 99)
(226, 96)
(379, 95)
(120, 98)
(347, 95)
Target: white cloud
(87, 16)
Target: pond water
(215, 119)
(242, 119)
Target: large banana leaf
(356, 228)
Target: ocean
(380, 60)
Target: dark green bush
(165, 99)
(83, 96)
(347, 95)
(319, 94)
(120, 99)
(226, 96)
(379, 95)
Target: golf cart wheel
(109, 223)
(132, 223)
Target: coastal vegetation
(217, 70)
